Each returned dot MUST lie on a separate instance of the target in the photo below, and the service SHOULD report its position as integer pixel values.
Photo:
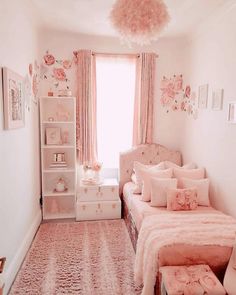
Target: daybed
(136, 213)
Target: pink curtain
(144, 97)
(86, 119)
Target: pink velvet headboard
(146, 154)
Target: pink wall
(19, 153)
(170, 51)
(211, 140)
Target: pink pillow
(138, 168)
(169, 164)
(202, 186)
(182, 199)
(159, 187)
(180, 173)
(146, 176)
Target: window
(115, 107)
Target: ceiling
(92, 16)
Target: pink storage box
(190, 280)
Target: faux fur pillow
(138, 168)
(182, 199)
(159, 187)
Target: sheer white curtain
(115, 105)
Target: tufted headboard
(146, 154)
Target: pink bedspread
(183, 230)
(140, 209)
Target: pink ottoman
(190, 280)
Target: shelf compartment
(48, 158)
(50, 180)
(58, 207)
(60, 108)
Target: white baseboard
(13, 268)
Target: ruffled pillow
(138, 168)
(159, 187)
(182, 199)
(146, 176)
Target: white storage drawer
(107, 191)
(98, 210)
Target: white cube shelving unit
(58, 113)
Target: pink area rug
(84, 258)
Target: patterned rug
(79, 258)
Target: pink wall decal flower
(66, 64)
(59, 74)
(49, 59)
(178, 82)
(187, 91)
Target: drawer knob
(84, 207)
(99, 206)
(113, 206)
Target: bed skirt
(131, 227)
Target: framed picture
(217, 100)
(14, 114)
(2, 262)
(232, 112)
(203, 96)
(53, 135)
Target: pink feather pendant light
(139, 21)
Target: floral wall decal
(49, 59)
(57, 74)
(176, 97)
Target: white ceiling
(92, 16)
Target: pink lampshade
(139, 21)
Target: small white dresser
(96, 202)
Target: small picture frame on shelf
(217, 100)
(53, 135)
(203, 96)
(232, 112)
(59, 161)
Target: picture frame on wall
(217, 100)
(13, 98)
(53, 136)
(232, 112)
(203, 96)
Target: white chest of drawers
(96, 202)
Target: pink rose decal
(67, 64)
(59, 74)
(49, 59)
(187, 91)
(178, 82)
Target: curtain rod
(119, 54)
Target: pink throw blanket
(161, 230)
